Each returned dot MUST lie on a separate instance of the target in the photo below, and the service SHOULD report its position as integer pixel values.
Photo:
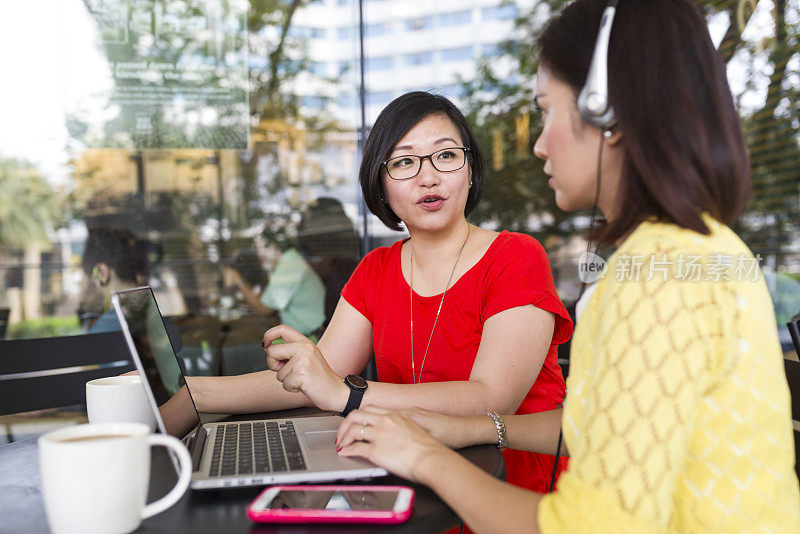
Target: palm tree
(26, 213)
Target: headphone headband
(593, 99)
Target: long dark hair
(684, 149)
(396, 119)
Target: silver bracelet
(502, 436)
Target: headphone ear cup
(593, 100)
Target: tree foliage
(517, 197)
(26, 205)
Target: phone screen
(334, 500)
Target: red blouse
(514, 271)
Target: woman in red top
(461, 320)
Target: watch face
(356, 382)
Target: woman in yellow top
(677, 414)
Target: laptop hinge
(196, 445)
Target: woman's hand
(302, 368)
(453, 431)
(390, 440)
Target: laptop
(225, 454)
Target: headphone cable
(583, 285)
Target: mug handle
(184, 478)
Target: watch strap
(354, 401)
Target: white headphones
(593, 98)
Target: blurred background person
(308, 278)
(113, 259)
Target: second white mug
(118, 399)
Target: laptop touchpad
(320, 440)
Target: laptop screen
(138, 310)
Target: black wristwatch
(357, 387)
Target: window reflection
(206, 195)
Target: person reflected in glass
(460, 320)
(327, 238)
(113, 259)
(677, 417)
(301, 286)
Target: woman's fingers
(357, 448)
(282, 331)
(350, 429)
(285, 369)
(277, 355)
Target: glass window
(419, 58)
(506, 12)
(379, 63)
(453, 90)
(189, 151)
(319, 68)
(455, 18)
(376, 30)
(195, 163)
(378, 98)
(457, 54)
(315, 102)
(346, 101)
(491, 50)
(299, 32)
(419, 23)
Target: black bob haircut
(396, 119)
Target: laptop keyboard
(255, 448)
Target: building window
(457, 54)
(375, 30)
(346, 101)
(453, 90)
(319, 68)
(345, 33)
(379, 63)
(298, 31)
(491, 50)
(419, 58)
(419, 23)
(314, 102)
(381, 98)
(455, 18)
(499, 12)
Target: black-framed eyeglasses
(405, 167)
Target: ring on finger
(363, 431)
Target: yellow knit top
(677, 416)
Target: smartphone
(332, 504)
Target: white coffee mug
(118, 399)
(95, 477)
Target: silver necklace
(414, 378)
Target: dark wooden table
(212, 511)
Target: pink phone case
(302, 515)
